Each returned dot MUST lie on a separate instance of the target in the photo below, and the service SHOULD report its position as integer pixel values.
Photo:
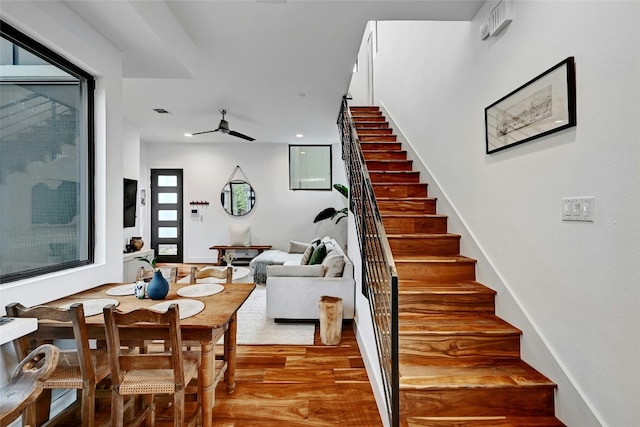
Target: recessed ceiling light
(299, 135)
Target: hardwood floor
(299, 386)
(287, 385)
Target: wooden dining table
(218, 318)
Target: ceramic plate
(202, 290)
(188, 307)
(93, 306)
(121, 290)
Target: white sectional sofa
(294, 290)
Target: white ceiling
(279, 68)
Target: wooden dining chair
(204, 272)
(26, 383)
(81, 368)
(149, 374)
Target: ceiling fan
(224, 128)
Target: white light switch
(578, 208)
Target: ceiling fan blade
(206, 131)
(239, 135)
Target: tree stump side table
(330, 320)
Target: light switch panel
(578, 209)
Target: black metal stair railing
(379, 276)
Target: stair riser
(442, 303)
(382, 165)
(365, 125)
(438, 246)
(381, 146)
(366, 113)
(377, 138)
(425, 304)
(436, 272)
(523, 401)
(401, 176)
(400, 190)
(416, 224)
(421, 349)
(374, 132)
(358, 108)
(385, 155)
(357, 120)
(390, 207)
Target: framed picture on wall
(543, 105)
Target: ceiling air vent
(160, 111)
(500, 17)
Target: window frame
(87, 83)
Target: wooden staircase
(459, 363)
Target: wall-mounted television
(130, 198)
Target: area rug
(255, 328)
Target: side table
(222, 250)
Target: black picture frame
(540, 107)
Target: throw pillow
(297, 247)
(315, 242)
(239, 235)
(333, 265)
(318, 254)
(306, 256)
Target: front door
(166, 214)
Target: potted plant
(333, 213)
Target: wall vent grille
(500, 17)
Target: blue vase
(158, 287)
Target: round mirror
(237, 197)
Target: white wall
(54, 25)
(279, 214)
(573, 287)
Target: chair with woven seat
(26, 383)
(149, 374)
(81, 368)
(205, 272)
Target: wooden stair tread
(497, 421)
(460, 288)
(413, 215)
(422, 235)
(463, 373)
(435, 324)
(426, 259)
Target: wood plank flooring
(299, 386)
(293, 386)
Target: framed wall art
(542, 106)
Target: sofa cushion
(318, 255)
(295, 270)
(297, 247)
(306, 256)
(333, 264)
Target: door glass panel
(167, 198)
(167, 232)
(164, 249)
(167, 215)
(167, 180)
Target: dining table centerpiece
(158, 286)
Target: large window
(310, 167)
(46, 160)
